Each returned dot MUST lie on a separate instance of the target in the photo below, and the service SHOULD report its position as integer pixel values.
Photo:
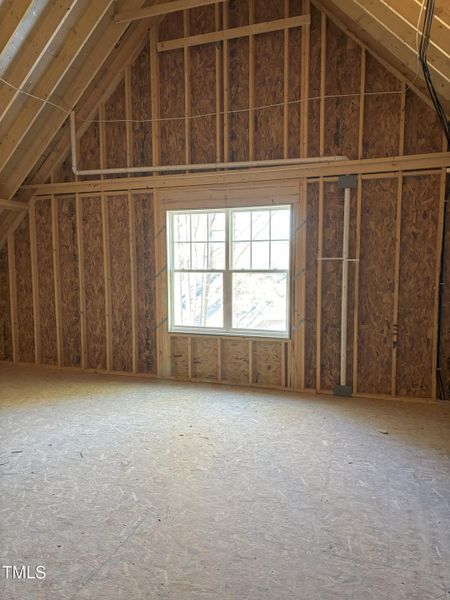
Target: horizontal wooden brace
(413, 162)
(13, 205)
(160, 9)
(235, 32)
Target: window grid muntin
(228, 271)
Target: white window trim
(227, 330)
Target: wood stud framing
(292, 353)
(219, 90)
(82, 285)
(56, 279)
(13, 297)
(163, 8)
(356, 292)
(229, 34)
(396, 283)
(226, 86)
(319, 285)
(251, 82)
(154, 90)
(35, 284)
(187, 91)
(286, 83)
(304, 106)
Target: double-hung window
(228, 271)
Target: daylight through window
(229, 271)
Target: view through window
(229, 270)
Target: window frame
(227, 274)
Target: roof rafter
(334, 11)
(12, 12)
(163, 8)
(51, 78)
(21, 70)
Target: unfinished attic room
(225, 300)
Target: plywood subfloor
(139, 489)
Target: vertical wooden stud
(187, 91)
(286, 85)
(105, 241)
(306, 8)
(35, 282)
(13, 296)
(251, 83)
(133, 269)
(162, 335)
(82, 283)
(356, 302)
(189, 357)
(107, 276)
(56, 278)
(128, 115)
(362, 89)
(319, 285)
(250, 362)
(102, 137)
(398, 224)
(284, 346)
(323, 59)
(297, 366)
(219, 90)
(401, 149)
(219, 359)
(154, 90)
(226, 87)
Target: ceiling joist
(160, 9)
(234, 33)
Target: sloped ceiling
(389, 28)
(54, 50)
(72, 53)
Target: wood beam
(160, 9)
(12, 13)
(99, 90)
(154, 91)
(46, 86)
(304, 92)
(13, 296)
(234, 33)
(21, 69)
(319, 286)
(412, 162)
(251, 80)
(382, 53)
(35, 284)
(226, 87)
(440, 29)
(74, 90)
(102, 82)
(13, 205)
(391, 26)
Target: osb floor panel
(138, 489)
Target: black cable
(423, 49)
(424, 42)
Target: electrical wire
(203, 115)
(43, 100)
(428, 21)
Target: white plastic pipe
(344, 302)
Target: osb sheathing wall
(79, 276)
